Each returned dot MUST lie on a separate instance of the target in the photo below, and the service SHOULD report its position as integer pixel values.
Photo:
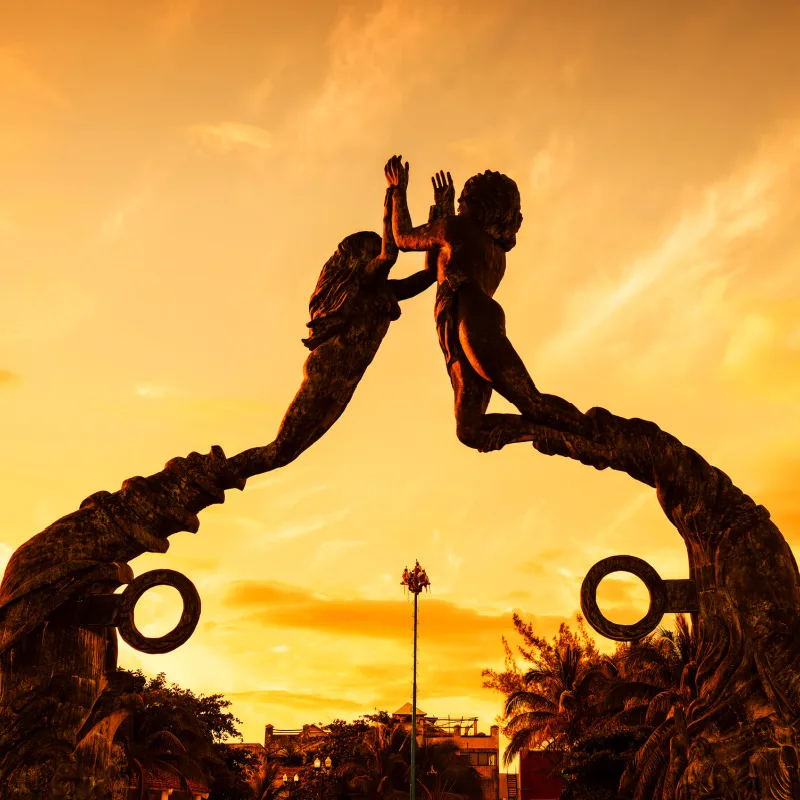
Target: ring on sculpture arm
(180, 634)
(666, 597)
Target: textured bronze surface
(666, 597)
(190, 614)
(62, 699)
(648, 576)
(351, 310)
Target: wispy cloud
(231, 138)
(691, 251)
(305, 701)
(378, 57)
(267, 535)
(118, 220)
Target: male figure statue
(471, 252)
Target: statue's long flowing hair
(338, 284)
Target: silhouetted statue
(732, 736)
(351, 310)
(471, 252)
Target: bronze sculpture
(471, 261)
(351, 310)
(733, 736)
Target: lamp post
(324, 769)
(416, 580)
(290, 784)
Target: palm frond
(527, 701)
(529, 719)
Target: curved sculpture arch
(62, 699)
(741, 727)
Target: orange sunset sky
(174, 174)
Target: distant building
(481, 750)
(162, 785)
(536, 776)
(287, 746)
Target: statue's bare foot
(495, 439)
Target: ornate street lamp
(416, 580)
(324, 769)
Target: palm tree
(654, 674)
(380, 765)
(265, 783)
(152, 748)
(658, 686)
(162, 736)
(553, 707)
(638, 694)
(292, 752)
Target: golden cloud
(295, 700)
(445, 624)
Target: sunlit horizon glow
(176, 173)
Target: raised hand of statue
(444, 194)
(396, 173)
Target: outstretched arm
(413, 285)
(380, 266)
(406, 235)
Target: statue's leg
(474, 427)
(482, 334)
(472, 395)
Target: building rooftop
(160, 781)
(405, 711)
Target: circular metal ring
(642, 570)
(190, 615)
